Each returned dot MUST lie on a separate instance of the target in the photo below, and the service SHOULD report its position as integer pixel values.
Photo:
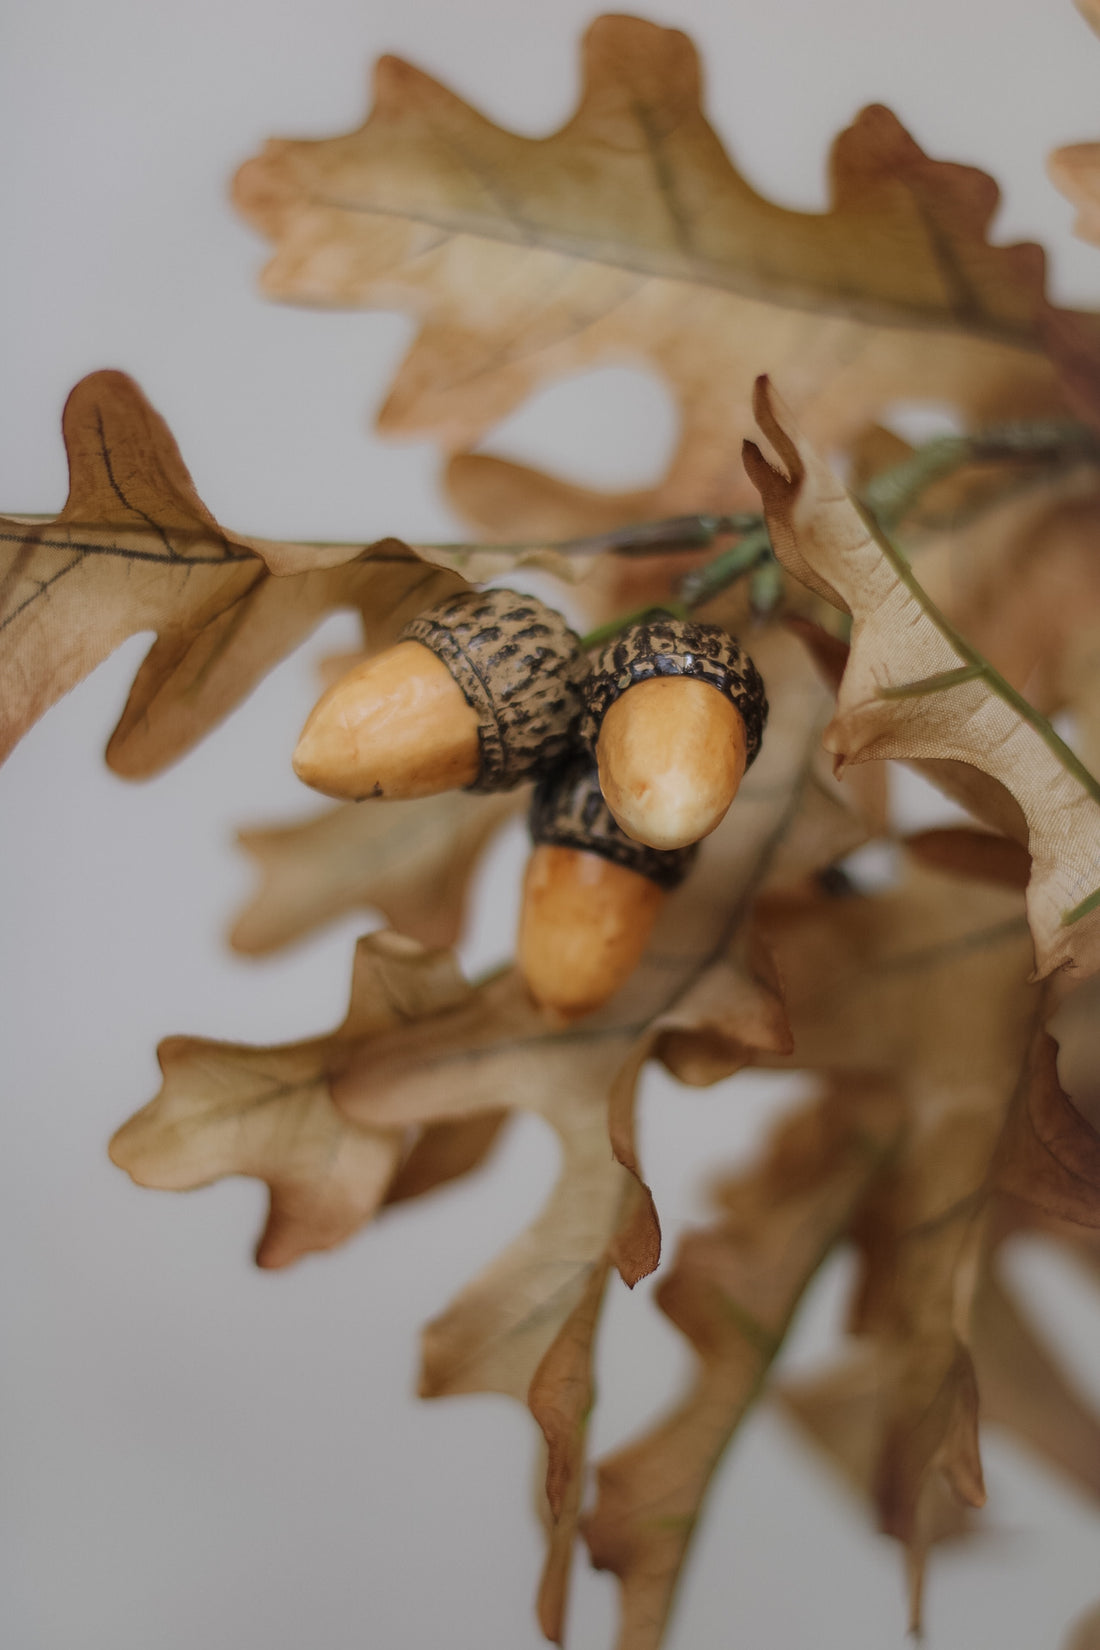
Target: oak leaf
(838, 1412)
(913, 1007)
(411, 861)
(227, 1108)
(136, 549)
(629, 235)
(1022, 1389)
(701, 1000)
(914, 689)
(732, 1290)
(926, 987)
(1021, 583)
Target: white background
(196, 1453)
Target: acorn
(675, 713)
(590, 896)
(479, 692)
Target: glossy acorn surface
(674, 714)
(591, 895)
(481, 692)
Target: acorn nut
(480, 691)
(675, 713)
(591, 895)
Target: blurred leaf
(629, 235)
(1024, 1389)
(410, 860)
(226, 1108)
(732, 1290)
(1049, 1155)
(923, 987)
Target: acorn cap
(519, 666)
(675, 647)
(568, 811)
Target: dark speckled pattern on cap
(675, 647)
(521, 668)
(568, 811)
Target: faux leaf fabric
(630, 235)
(136, 549)
(912, 689)
(410, 860)
(226, 1108)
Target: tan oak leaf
(412, 861)
(914, 689)
(136, 549)
(227, 1108)
(629, 235)
(732, 1290)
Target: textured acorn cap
(520, 667)
(584, 925)
(590, 896)
(568, 811)
(675, 647)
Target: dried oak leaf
(1021, 1387)
(1024, 1390)
(925, 986)
(526, 1326)
(410, 860)
(136, 549)
(838, 1412)
(913, 690)
(629, 235)
(732, 1290)
(230, 1109)
(928, 984)
(1022, 583)
(914, 1007)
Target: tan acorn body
(591, 895)
(585, 924)
(396, 725)
(674, 714)
(481, 692)
(671, 754)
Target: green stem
(892, 494)
(977, 666)
(707, 582)
(604, 632)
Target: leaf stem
(977, 666)
(604, 632)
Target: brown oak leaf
(136, 549)
(410, 860)
(702, 1000)
(912, 689)
(1021, 1387)
(227, 1108)
(914, 1008)
(629, 235)
(732, 1290)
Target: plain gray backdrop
(196, 1453)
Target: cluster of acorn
(636, 755)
